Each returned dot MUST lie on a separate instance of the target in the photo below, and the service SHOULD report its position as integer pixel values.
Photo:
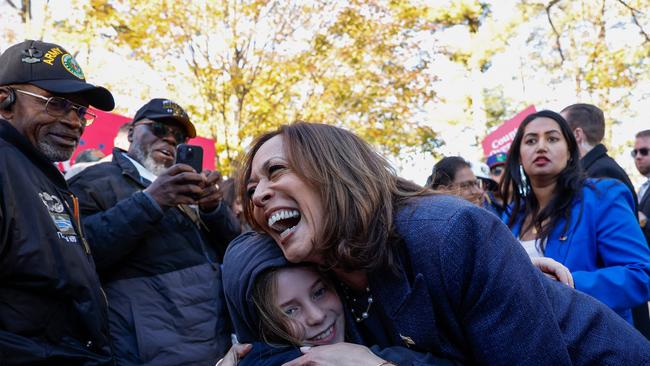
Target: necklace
(352, 300)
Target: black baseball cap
(50, 67)
(159, 109)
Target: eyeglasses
(470, 184)
(161, 130)
(60, 107)
(497, 170)
(643, 151)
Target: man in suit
(642, 162)
(588, 124)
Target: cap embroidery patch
(174, 109)
(31, 56)
(72, 66)
(51, 55)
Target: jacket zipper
(75, 213)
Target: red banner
(501, 138)
(102, 132)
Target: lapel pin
(407, 340)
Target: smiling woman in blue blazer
(587, 225)
(418, 269)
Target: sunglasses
(497, 170)
(161, 130)
(643, 151)
(60, 107)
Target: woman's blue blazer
(603, 246)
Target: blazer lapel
(409, 307)
(645, 198)
(559, 241)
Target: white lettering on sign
(504, 140)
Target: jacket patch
(63, 223)
(52, 202)
(60, 218)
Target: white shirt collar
(144, 173)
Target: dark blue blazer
(264, 354)
(466, 289)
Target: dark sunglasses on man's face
(162, 130)
(643, 151)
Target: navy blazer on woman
(466, 289)
(603, 246)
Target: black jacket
(52, 309)
(641, 317)
(598, 164)
(159, 269)
(644, 207)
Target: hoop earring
(524, 187)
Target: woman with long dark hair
(588, 225)
(418, 269)
(454, 175)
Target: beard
(143, 156)
(54, 154)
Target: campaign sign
(500, 139)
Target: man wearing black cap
(157, 253)
(52, 309)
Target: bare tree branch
(558, 45)
(633, 12)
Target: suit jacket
(464, 288)
(603, 246)
(644, 206)
(598, 164)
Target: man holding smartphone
(157, 230)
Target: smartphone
(191, 155)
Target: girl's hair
(359, 190)
(515, 186)
(444, 172)
(275, 326)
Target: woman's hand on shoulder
(554, 270)
(339, 354)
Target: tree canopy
(379, 68)
(253, 65)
